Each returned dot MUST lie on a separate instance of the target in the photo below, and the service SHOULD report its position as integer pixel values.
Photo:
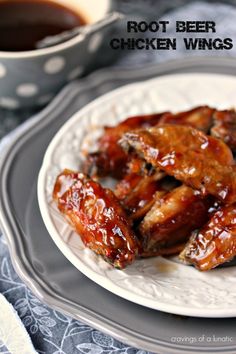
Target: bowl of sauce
(31, 75)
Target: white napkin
(12, 332)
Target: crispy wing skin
(215, 243)
(200, 118)
(172, 219)
(225, 127)
(111, 158)
(198, 160)
(97, 216)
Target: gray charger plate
(49, 274)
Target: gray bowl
(32, 78)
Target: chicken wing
(200, 118)
(111, 158)
(97, 216)
(126, 185)
(225, 127)
(172, 219)
(140, 198)
(198, 160)
(137, 169)
(215, 243)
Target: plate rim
(65, 249)
(12, 232)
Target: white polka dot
(8, 102)
(54, 65)
(75, 73)
(26, 90)
(3, 70)
(45, 98)
(95, 42)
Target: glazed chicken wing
(172, 219)
(198, 160)
(137, 169)
(97, 216)
(126, 185)
(111, 158)
(200, 118)
(225, 127)
(215, 243)
(138, 199)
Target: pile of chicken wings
(175, 191)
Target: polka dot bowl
(32, 78)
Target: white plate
(157, 283)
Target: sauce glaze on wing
(172, 219)
(215, 243)
(137, 170)
(110, 159)
(141, 197)
(199, 118)
(198, 160)
(97, 216)
(225, 127)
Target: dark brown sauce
(24, 23)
